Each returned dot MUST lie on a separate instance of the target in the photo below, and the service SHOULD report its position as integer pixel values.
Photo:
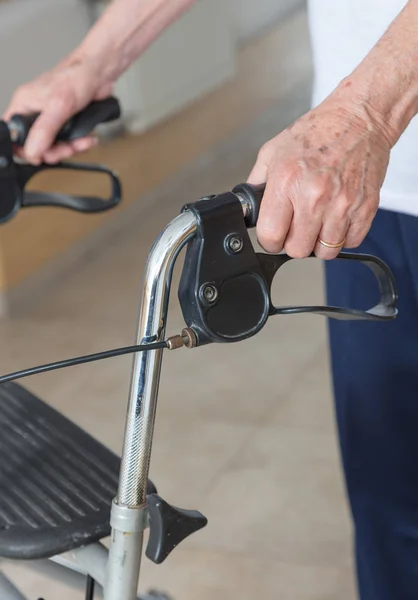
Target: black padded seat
(57, 483)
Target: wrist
(99, 59)
(124, 32)
(385, 83)
(350, 106)
(389, 104)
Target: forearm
(125, 30)
(386, 81)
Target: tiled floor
(244, 432)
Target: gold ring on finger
(328, 245)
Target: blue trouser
(375, 372)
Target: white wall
(252, 16)
(34, 35)
(191, 58)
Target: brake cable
(172, 343)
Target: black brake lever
(251, 196)
(225, 287)
(15, 175)
(384, 310)
(86, 204)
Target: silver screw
(209, 293)
(3, 162)
(235, 244)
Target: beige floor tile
(309, 404)
(239, 383)
(34, 584)
(207, 575)
(281, 497)
(190, 574)
(190, 453)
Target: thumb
(46, 127)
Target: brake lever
(86, 204)
(225, 286)
(384, 310)
(251, 197)
(15, 175)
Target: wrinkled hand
(58, 95)
(323, 177)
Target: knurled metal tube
(146, 367)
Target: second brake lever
(15, 175)
(86, 204)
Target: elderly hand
(57, 95)
(323, 176)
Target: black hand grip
(86, 204)
(252, 196)
(80, 125)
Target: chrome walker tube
(146, 367)
(128, 519)
(129, 514)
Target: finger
(65, 150)
(275, 218)
(303, 233)
(61, 151)
(84, 144)
(21, 103)
(45, 129)
(332, 236)
(360, 227)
